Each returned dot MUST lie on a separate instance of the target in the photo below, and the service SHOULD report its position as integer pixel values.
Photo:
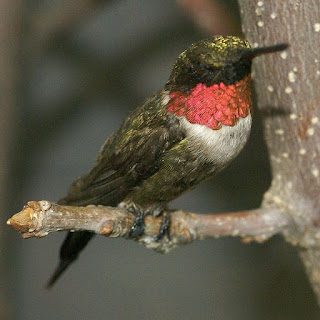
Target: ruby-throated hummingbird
(183, 134)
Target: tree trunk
(287, 91)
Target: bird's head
(211, 80)
(219, 59)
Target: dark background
(72, 97)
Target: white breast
(219, 146)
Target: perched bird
(183, 134)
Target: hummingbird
(185, 133)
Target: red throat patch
(213, 106)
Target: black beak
(254, 52)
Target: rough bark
(287, 89)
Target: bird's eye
(197, 68)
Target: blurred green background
(80, 68)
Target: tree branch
(38, 219)
(213, 17)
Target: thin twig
(38, 219)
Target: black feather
(70, 249)
(130, 156)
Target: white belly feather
(219, 146)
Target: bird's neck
(213, 106)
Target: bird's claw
(164, 227)
(138, 227)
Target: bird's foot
(164, 227)
(138, 227)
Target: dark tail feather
(71, 247)
(63, 265)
